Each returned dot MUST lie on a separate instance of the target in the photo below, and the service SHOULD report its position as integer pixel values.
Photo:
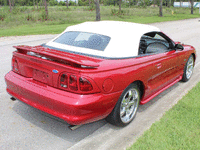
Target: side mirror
(179, 46)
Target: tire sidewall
(184, 78)
(116, 110)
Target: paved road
(23, 127)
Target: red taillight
(15, 67)
(73, 83)
(64, 81)
(84, 84)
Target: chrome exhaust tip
(13, 99)
(74, 127)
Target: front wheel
(188, 69)
(126, 107)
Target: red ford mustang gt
(97, 70)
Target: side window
(159, 38)
(153, 42)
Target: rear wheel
(188, 69)
(126, 107)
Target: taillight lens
(64, 81)
(73, 83)
(76, 83)
(15, 66)
(84, 84)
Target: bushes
(43, 15)
(2, 17)
(62, 3)
(78, 14)
(30, 17)
(53, 3)
(117, 12)
(83, 3)
(90, 8)
(72, 3)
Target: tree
(13, 3)
(46, 9)
(10, 5)
(169, 3)
(154, 3)
(98, 17)
(67, 3)
(34, 3)
(192, 5)
(120, 4)
(160, 9)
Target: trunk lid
(45, 65)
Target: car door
(163, 62)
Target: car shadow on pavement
(60, 128)
(55, 125)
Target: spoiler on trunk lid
(83, 61)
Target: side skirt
(160, 91)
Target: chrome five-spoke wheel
(188, 70)
(190, 66)
(126, 107)
(129, 105)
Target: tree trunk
(41, 4)
(192, 6)
(169, 3)
(34, 4)
(98, 17)
(89, 2)
(46, 9)
(136, 2)
(120, 8)
(13, 3)
(10, 5)
(180, 3)
(160, 9)
(67, 4)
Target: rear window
(84, 40)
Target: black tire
(126, 108)
(188, 69)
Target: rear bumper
(74, 108)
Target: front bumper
(74, 108)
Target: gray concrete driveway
(23, 127)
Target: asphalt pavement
(24, 127)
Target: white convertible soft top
(124, 42)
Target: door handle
(159, 65)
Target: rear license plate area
(40, 76)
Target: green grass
(34, 30)
(27, 20)
(179, 128)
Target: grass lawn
(27, 20)
(179, 128)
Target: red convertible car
(97, 70)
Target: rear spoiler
(83, 61)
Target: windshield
(84, 40)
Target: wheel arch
(141, 86)
(194, 56)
